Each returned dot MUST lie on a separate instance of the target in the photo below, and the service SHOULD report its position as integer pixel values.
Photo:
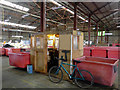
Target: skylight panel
(10, 4)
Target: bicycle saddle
(77, 61)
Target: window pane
(75, 42)
(39, 42)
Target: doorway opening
(52, 50)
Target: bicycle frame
(70, 75)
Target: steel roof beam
(82, 11)
(108, 15)
(92, 12)
(100, 11)
(101, 7)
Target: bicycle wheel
(55, 74)
(84, 79)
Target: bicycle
(82, 78)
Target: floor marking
(28, 82)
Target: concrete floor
(18, 78)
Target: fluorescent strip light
(25, 15)
(54, 8)
(17, 30)
(10, 4)
(118, 26)
(17, 36)
(67, 9)
(108, 33)
(18, 25)
(55, 2)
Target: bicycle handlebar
(61, 59)
(64, 51)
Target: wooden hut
(43, 44)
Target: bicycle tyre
(53, 77)
(89, 80)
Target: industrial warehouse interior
(60, 44)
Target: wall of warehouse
(111, 39)
(115, 37)
(93, 36)
(7, 36)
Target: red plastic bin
(114, 53)
(12, 50)
(6, 51)
(99, 52)
(115, 44)
(87, 51)
(20, 60)
(104, 70)
(2, 51)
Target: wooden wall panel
(39, 64)
(77, 53)
(32, 57)
(81, 41)
(65, 42)
(65, 76)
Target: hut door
(41, 53)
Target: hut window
(76, 42)
(39, 42)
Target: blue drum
(30, 68)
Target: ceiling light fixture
(17, 36)
(17, 25)
(10, 4)
(25, 15)
(118, 26)
(17, 30)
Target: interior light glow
(17, 25)
(10, 4)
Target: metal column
(97, 33)
(75, 16)
(107, 38)
(101, 36)
(42, 19)
(89, 24)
